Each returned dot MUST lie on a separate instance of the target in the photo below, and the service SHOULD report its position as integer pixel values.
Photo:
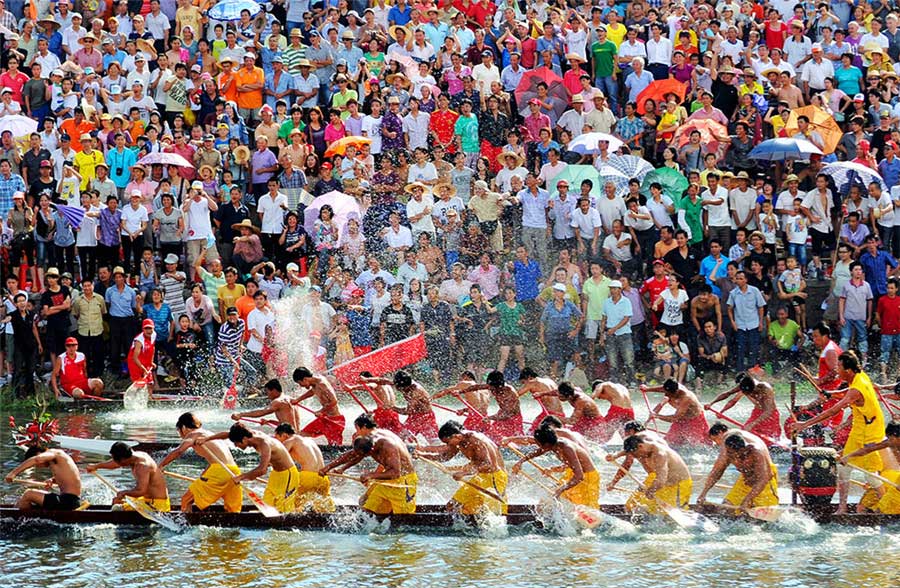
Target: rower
(554, 423)
(150, 484)
(867, 424)
(507, 421)
(477, 401)
(718, 432)
(329, 421)
(758, 483)
(281, 489)
(689, 426)
(585, 418)
(385, 401)
(668, 479)
(629, 429)
(582, 480)
(216, 480)
(314, 491)
(280, 405)
(420, 418)
(620, 409)
(539, 387)
(887, 502)
(395, 481)
(485, 467)
(70, 373)
(764, 419)
(64, 473)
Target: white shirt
(70, 38)
(87, 232)
(504, 176)
(586, 223)
(639, 224)
(199, 226)
(258, 320)
(813, 201)
(416, 127)
(717, 214)
(629, 49)
(575, 42)
(550, 171)
(402, 237)
(815, 73)
(743, 203)
(610, 210)
(785, 201)
(734, 50)
(371, 128)
(158, 25)
(425, 173)
(272, 213)
(483, 77)
(895, 197)
(413, 208)
(659, 51)
(623, 253)
(133, 218)
(658, 210)
(572, 121)
(672, 314)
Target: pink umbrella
(165, 158)
(345, 207)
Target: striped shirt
(173, 293)
(292, 56)
(230, 337)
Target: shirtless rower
(280, 405)
(620, 410)
(216, 481)
(582, 480)
(688, 423)
(281, 489)
(668, 479)
(385, 398)
(64, 473)
(70, 374)
(329, 421)
(867, 425)
(150, 484)
(758, 483)
(889, 502)
(585, 418)
(629, 429)
(314, 491)
(396, 494)
(507, 421)
(764, 420)
(485, 467)
(554, 423)
(718, 432)
(538, 388)
(420, 419)
(477, 399)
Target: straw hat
(444, 187)
(306, 63)
(390, 79)
(145, 45)
(241, 154)
(45, 22)
(409, 188)
(209, 167)
(504, 154)
(872, 49)
(87, 37)
(244, 224)
(392, 31)
(574, 57)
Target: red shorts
(331, 427)
(81, 384)
(540, 418)
(422, 423)
(475, 422)
(388, 419)
(771, 427)
(690, 432)
(594, 428)
(618, 416)
(511, 427)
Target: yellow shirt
(867, 425)
(753, 88)
(89, 314)
(86, 164)
(616, 33)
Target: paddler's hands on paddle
(701, 500)
(611, 487)
(91, 468)
(9, 478)
(119, 498)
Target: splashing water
(793, 521)
(292, 336)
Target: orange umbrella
(658, 90)
(710, 133)
(820, 122)
(339, 147)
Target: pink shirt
(488, 279)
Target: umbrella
(658, 90)
(631, 165)
(710, 133)
(18, 125)
(339, 147)
(527, 89)
(73, 214)
(586, 144)
(230, 10)
(410, 65)
(611, 174)
(575, 174)
(847, 173)
(165, 158)
(819, 121)
(673, 183)
(345, 207)
(781, 149)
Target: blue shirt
(285, 83)
(120, 165)
(636, 84)
(121, 304)
(161, 318)
(746, 307)
(559, 322)
(875, 267)
(117, 57)
(398, 17)
(534, 208)
(436, 34)
(706, 268)
(8, 187)
(527, 280)
(890, 171)
(615, 312)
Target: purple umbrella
(73, 214)
(163, 158)
(345, 207)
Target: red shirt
(73, 373)
(655, 287)
(14, 83)
(889, 315)
(442, 124)
(481, 13)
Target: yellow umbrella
(339, 147)
(819, 121)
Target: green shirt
(467, 128)
(604, 55)
(784, 336)
(284, 131)
(597, 295)
(211, 283)
(509, 319)
(693, 215)
(338, 100)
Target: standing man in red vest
(142, 353)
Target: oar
(874, 475)
(349, 390)
(267, 510)
(447, 408)
(91, 397)
(229, 399)
(179, 476)
(317, 415)
(34, 483)
(449, 472)
(142, 508)
(768, 440)
(370, 482)
(262, 422)
(543, 471)
(884, 401)
(769, 514)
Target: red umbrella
(710, 133)
(658, 90)
(527, 89)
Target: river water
(793, 553)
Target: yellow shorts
(281, 491)
(768, 497)
(382, 499)
(889, 503)
(157, 504)
(473, 501)
(314, 493)
(586, 492)
(678, 495)
(214, 483)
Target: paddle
(179, 476)
(229, 399)
(769, 514)
(349, 391)
(35, 483)
(142, 508)
(768, 440)
(447, 408)
(874, 475)
(543, 471)
(367, 484)
(450, 472)
(317, 415)
(262, 422)
(88, 397)
(652, 417)
(267, 510)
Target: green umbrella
(575, 174)
(673, 183)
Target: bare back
(391, 454)
(279, 458)
(305, 453)
(214, 451)
(481, 452)
(324, 393)
(64, 471)
(144, 469)
(571, 454)
(615, 394)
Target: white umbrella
(848, 173)
(611, 174)
(18, 125)
(586, 144)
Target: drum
(816, 480)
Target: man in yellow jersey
(582, 480)
(215, 482)
(758, 483)
(485, 467)
(150, 485)
(668, 480)
(867, 425)
(887, 502)
(314, 491)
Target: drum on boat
(816, 479)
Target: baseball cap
(196, 185)
(147, 323)
(46, 163)
(231, 311)
(615, 284)
(293, 267)
(71, 341)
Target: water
(792, 553)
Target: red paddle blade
(229, 400)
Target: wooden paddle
(450, 472)
(369, 483)
(543, 471)
(142, 508)
(267, 510)
(349, 391)
(768, 440)
(37, 484)
(874, 475)
(179, 476)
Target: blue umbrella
(847, 173)
(786, 148)
(73, 214)
(230, 10)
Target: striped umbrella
(73, 214)
(630, 165)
